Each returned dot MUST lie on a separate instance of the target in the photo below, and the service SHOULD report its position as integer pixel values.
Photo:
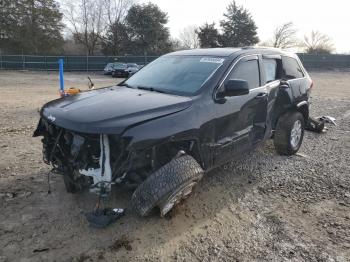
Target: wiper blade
(127, 85)
(150, 89)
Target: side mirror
(236, 87)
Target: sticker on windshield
(212, 60)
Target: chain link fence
(71, 63)
(320, 61)
(97, 63)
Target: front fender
(170, 128)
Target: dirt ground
(262, 208)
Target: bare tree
(284, 36)
(189, 37)
(177, 44)
(115, 40)
(116, 10)
(318, 43)
(86, 19)
(89, 20)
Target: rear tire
(167, 186)
(289, 133)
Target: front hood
(111, 110)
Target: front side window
(176, 74)
(291, 68)
(109, 65)
(248, 71)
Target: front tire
(167, 186)
(289, 133)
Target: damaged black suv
(180, 116)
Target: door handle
(261, 95)
(284, 84)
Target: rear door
(272, 73)
(295, 76)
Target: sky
(329, 17)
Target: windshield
(176, 74)
(132, 65)
(120, 66)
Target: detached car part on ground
(181, 116)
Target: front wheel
(167, 186)
(289, 133)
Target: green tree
(31, 27)
(238, 27)
(116, 41)
(208, 35)
(147, 30)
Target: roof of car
(228, 51)
(207, 51)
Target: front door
(241, 120)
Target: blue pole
(60, 62)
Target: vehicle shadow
(56, 223)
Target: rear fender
(284, 102)
(303, 108)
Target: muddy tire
(167, 186)
(289, 133)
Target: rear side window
(270, 67)
(247, 70)
(291, 68)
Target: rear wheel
(289, 133)
(167, 186)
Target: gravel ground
(264, 207)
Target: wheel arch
(189, 146)
(303, 108)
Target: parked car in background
(125, 70)
(110, 67)
(132, 68)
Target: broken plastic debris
(302, 155)
(318, 124)
(101, 218)
(314, 125)
(328, 119)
